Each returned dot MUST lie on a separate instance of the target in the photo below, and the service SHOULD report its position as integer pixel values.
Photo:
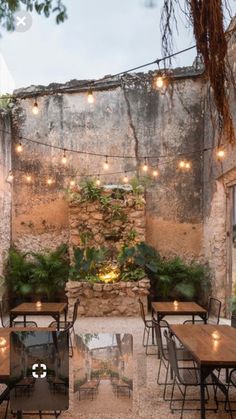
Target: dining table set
(57, 311)
(212, 346)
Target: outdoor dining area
(196, 366)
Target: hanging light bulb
(19, 148)
(28, 178)
(64, 158)
(106, 165)
(90, 96)
(72, 183)
(155, 173)
(182, 164)
(10, 176)
(125, 179)
(145, 166)
(159, 82)
(220, 153)
(49, 181)
(98, 181)
(35, 108)
(187, 165)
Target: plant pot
(233, 320)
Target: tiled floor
(148, 402)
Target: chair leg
(183, 402)
(71, 346)
(6, 411)
(144, 332)
(172, 394)
(147, 340)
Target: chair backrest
(214, 307)
(158, 333)
(4, 312)
(142, 311)
(172, 355)
(75, 311)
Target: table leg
(19, 414)
(202, 393)
(24, 320)
(65, 313)
(193, 319)
(58, 322)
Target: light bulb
(106, 165)
(49, 181)
(19, 148)
(187, 165)
(98, 182)
(182, 164)
(145, 166)
(125, 178)
(10, 176)
(28, 178)
(155, 173)
(35, 109)
(90, 97)
(64, 158)
(159, 82)
(72, 183)
(220, 154)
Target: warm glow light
(90, 97)
(159, 82)
(19, 148)
(187, 165)
(176, 303)
(125, 179)
(64, 158)
(98, 182)
(220, 154)
(72, 182)
(110, 275)
(216, 335)
(155, 173)
(106, 165)
(38, 304)
(182, 164)
(145, 166)
(3, 342)
(35, 108)
(49, 181)
(28, 178)
(10, 176)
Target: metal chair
(182, 355)
(213, 312)
(5, 317)
(231, 383)
(183, 377)
(148, 326)
(69, 324)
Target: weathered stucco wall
(130, 118)
(5, 188)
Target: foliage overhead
(42, 7)
(207, 19)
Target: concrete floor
(147, 395)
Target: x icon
(21, 21)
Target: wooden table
(208, 353)
(5, 352)
(162, 309)
(46, 309)
(90, 387)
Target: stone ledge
(114, 299)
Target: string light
(98, 181)
(10, 176)
(64, 158)
(126, 179)
(182, 164)
(90, 97)
(187, 165)
(159, 82)
(72, 183)
(49, 181)
(28, 178)
(145, 166)
(19, 148)
(106, 165)
(155, 173)
(35, 108)
(220, 153)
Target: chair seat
(63, 324)
(22, 324)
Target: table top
(45, 308)
(205, 349)
(5, 350)
(167, 307)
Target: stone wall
(118, 299)
(128, 118)
(122, 221)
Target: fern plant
(18, 273)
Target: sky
(99, 38)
